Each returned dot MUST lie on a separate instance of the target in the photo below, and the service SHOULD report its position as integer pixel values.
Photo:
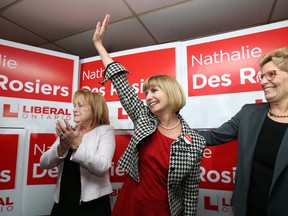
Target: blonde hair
(98, 105)
(171, 87)
(278, 56)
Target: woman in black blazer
(261, 186)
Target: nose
(263, 81)
(148, 96)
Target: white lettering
(216, 176)
(93, 74)
(39, 172)
(5, 176)
(32, 87)
(207, 153)
(116, 171)
(9, 63)
(220, 56)
(95, 89)
(247, 74)
(200, 81)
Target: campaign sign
(33, 73)
(8, 160)
(11, 170)
(39, 143)
(230, 65)
(218, 167)
(141, 63)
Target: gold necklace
(279, 116)
(171, 127)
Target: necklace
(171, 128)
(279, 116)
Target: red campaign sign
(116, 173)
(230, 65)
(141, 65)
(218, 167)
(39, 143)
(31, 75)
(8, 160)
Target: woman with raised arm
(163, 158)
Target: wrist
(61, 150)
(75, 147)
(98, 44)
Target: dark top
(263, 166)
(70, 189)
(70, 195)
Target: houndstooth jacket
(185, 154)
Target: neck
(170, 128)
(271, 113)
(85, 129)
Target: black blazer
(245, 126)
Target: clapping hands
(69, 136)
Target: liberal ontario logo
(7, 113)
(35, 112)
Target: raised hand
(100, 30)
(98, 39)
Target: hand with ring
(60, 129)
(68, 134)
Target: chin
(270, 99)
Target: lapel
(254, 127)
(281, 160)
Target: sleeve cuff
(111, 69)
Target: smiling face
(163, 93)
(82, 111)
(156, 99)
(275, 90)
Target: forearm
(61, 149)
(129, 99)
(50, 158)
(105, 57)
(223, 134)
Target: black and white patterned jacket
(185, 156)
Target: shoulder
(103, 129)
(255, 106)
